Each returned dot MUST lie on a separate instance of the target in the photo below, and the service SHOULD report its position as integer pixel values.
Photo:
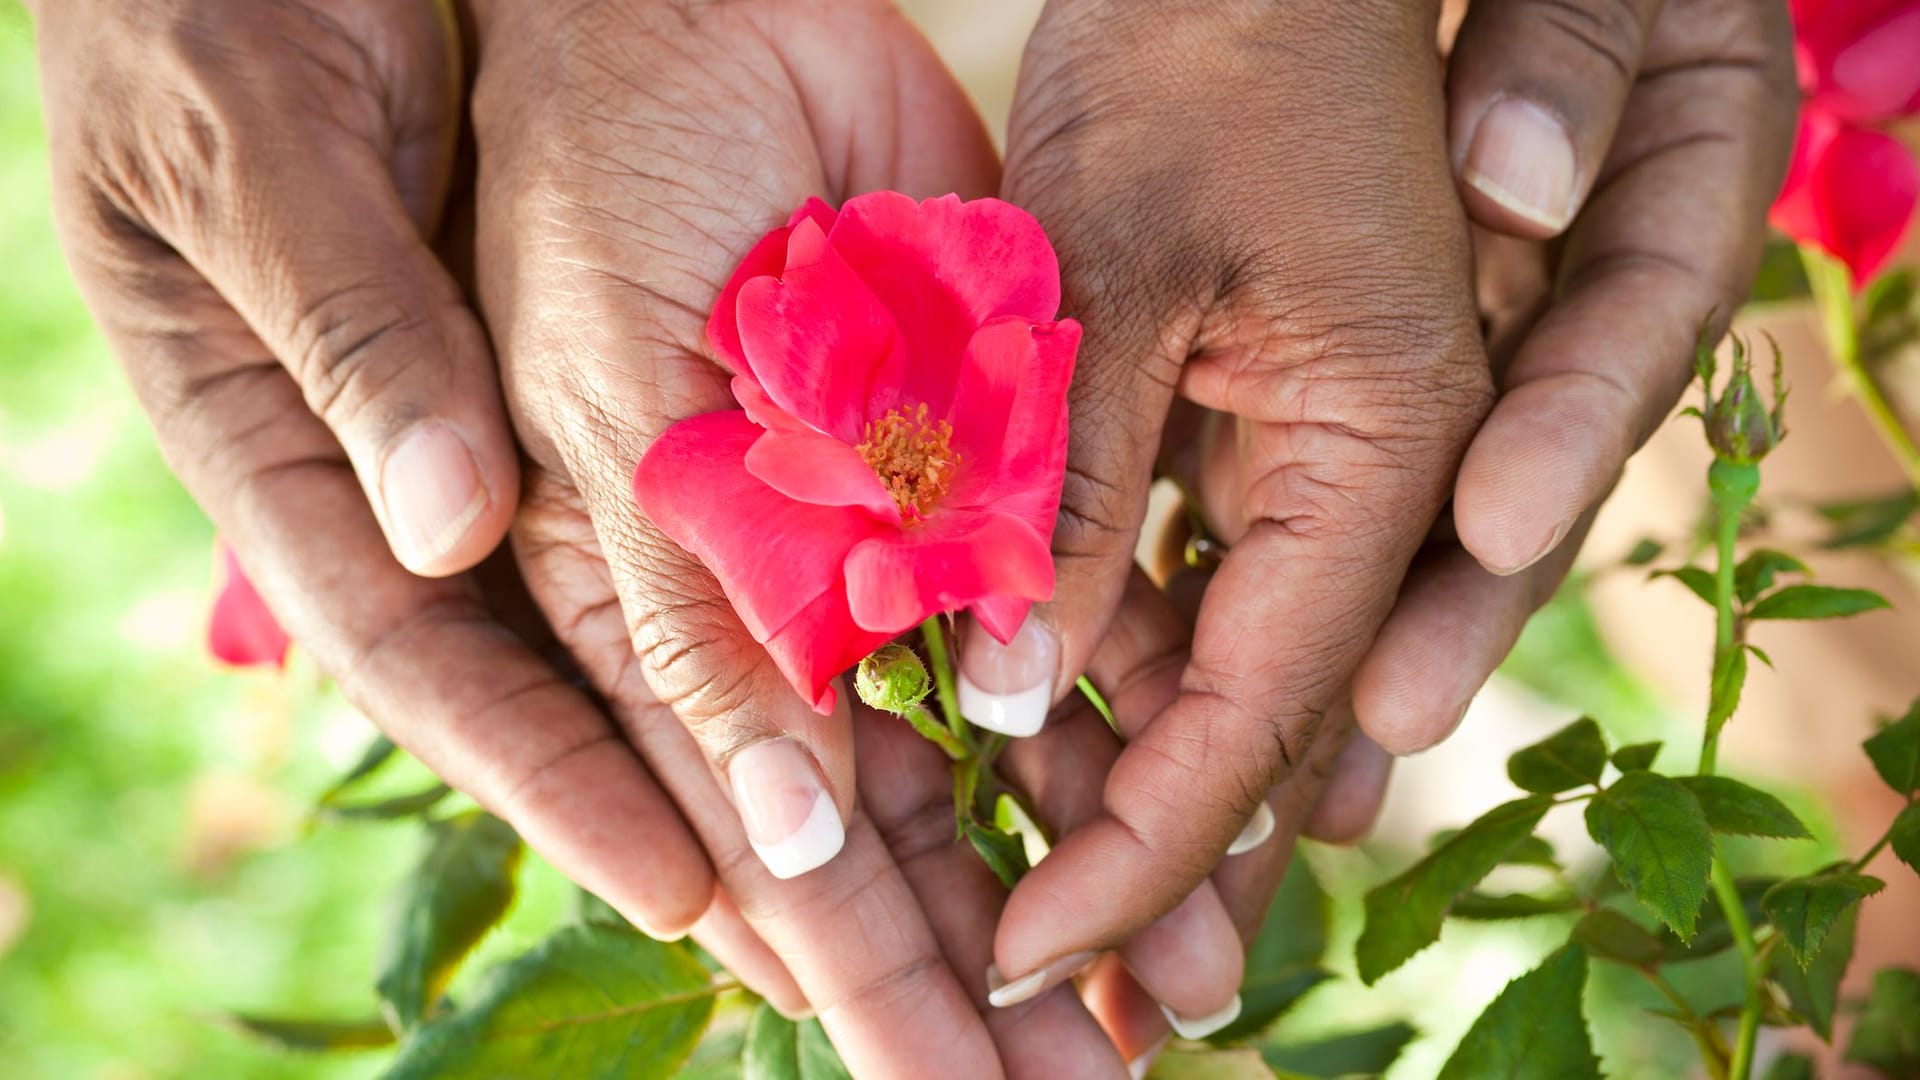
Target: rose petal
(242, 631)
(819, 469)
(1856, 56)
(1001, 616)
(1850, 192)
(765, 259)
(1010, 419)
(944, 268)
(896, 579)
(815, 337)
(773, 556)
(819, 643)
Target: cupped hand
(630, 156)
(1324, 265)
(247, 193)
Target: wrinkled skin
(243, 190)
(1316, 291)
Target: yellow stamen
(913, 457)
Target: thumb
(1535, 89)
(324, 262)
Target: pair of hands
(1259, 211)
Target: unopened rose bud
(1740, 428)
(892, 679)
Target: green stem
(1878, 845)
(934, 732)
(936, 637)
(1728, 893)
(1712, 1051)
(1833, 296)
(1732, 487)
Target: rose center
(913, 457)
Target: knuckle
(697, 665)
(1612, 32)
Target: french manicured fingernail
(1199, 1027)
(1522, 158)
(1009, 688)
(1002, 994)
(432, 491)
(1137, 1068)
(1559, 533)
(1259, 827)
(790, 819)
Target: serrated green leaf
(400, 806)
(1756, 572)
(312, 1036)
(1657, 834)
(1741, 810)
(1572, 757)
(1729, 679)
(1004, 853)
(1759, 654)
(1610, 935)
(1803, 909)
(1815, 990)
(1816, 602)
(459, 890)
(1532, 851)
(1895, 751)
(1905, 837)
(1534, 1030)
(1284, 961)
(588, 908)
(1712, 935)
(1644, 552)
(591, 1002)
(1486, 907)
(1697, 581)
(1362, 1053)
(1865, 522)
(1404, 915)
(1887, 1038)
(1636, 757)
(1790, 1067)
(781, 1049)
(377, 753)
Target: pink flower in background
(1851, 189)
(242, 631)
(901, 441)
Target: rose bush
(901, 439)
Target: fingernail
(1137, 1068)
(1559, 533)
(1522, 159)
(1259, 827)
(1009, 688)
(1001, 993)
(432, 491)
(790, 819)
(1200, 1027)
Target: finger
(852, 934)
(423, 659)
(1670, 236)
(1534, 93)
(1452, 625)
(308, 235)
(1189, 959)
(906, 784)
(1350, 803)
(724, 932)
